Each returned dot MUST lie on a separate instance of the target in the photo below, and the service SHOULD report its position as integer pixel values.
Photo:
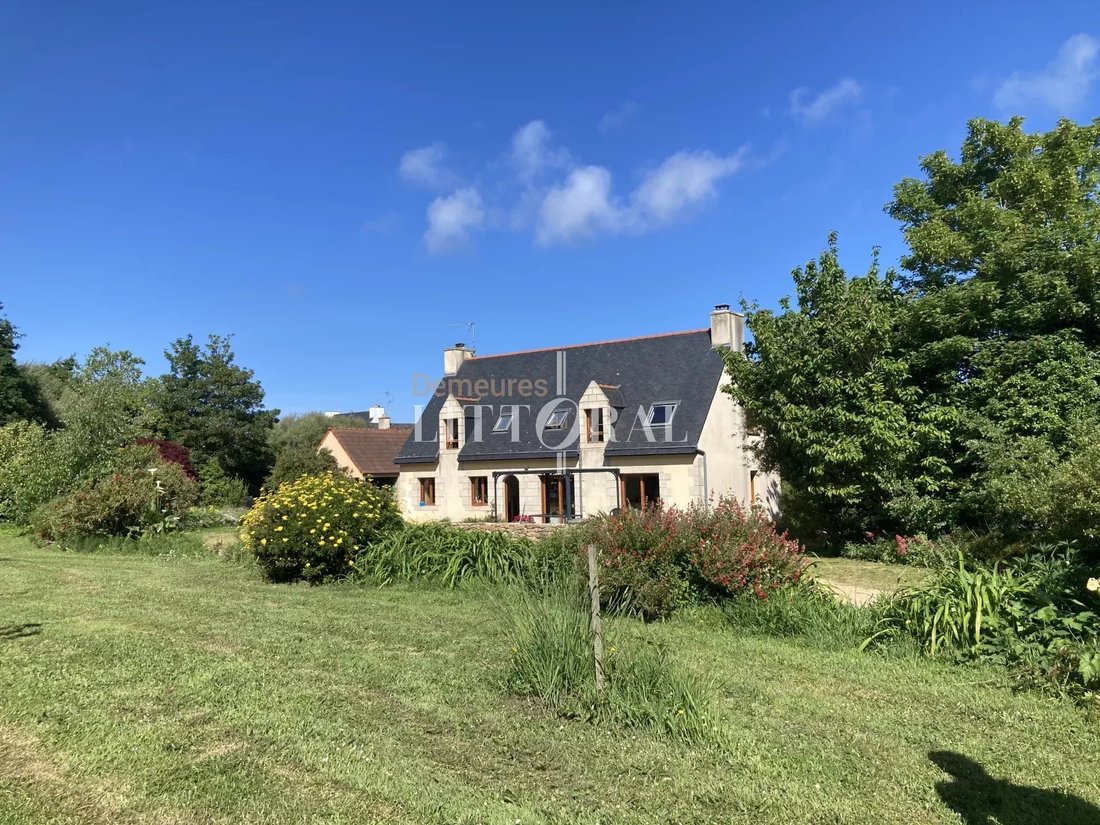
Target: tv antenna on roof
(469, 329)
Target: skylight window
(556, 421)
(660, 415)
(504, 422)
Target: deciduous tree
(19, 398)
(215, 408)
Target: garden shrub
(30, 473)
(1074, 497)
(313, 527)
(1028, 493)
(917, 551)
(220, 489)
(295, 461)
(734, 549)
(643, 560)
(656, 560)
(139, 493)
(171, 453)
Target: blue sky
(343, 186)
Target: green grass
(185, 690)
(871, 574)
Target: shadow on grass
(9, 632)
(981, 799)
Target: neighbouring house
(557, 434)
(368, 452)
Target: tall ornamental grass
(444, 553)
(552, 660)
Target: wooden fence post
(597, 624)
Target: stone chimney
(383, 421)
(727, 328)
(453, 357)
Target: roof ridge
(593, 343)
(370, 429)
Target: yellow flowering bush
(311, 528)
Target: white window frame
(670, 405)
(557, 419)
(504, 423)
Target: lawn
(139, 689)
(871, 575)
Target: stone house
(557, 434)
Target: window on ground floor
(641, 490)
(479, 490)
(427, 491)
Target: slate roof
(679, 367)
(371, 450)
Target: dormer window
(504, 422)
(556, 421)
(451, 425)
(660, 415)
(593, 424)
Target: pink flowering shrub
(642, 560)
(653, 561)
(735, 549)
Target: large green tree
(825, 383)
(52, 382)
(19, 399)
(215, 407)
(1002, 321)
(954, 392)
(106, 405)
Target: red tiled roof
(371, 450)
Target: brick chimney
(727, 328)
(453, 357)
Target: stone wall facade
(517, 528)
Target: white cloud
(532, 152)
(426, 166)
(1062, 85)
(451, 218)
(585, 205)
(618, 116)
(680, 182)
(580, 206)
(814, 110)
(540, 188)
